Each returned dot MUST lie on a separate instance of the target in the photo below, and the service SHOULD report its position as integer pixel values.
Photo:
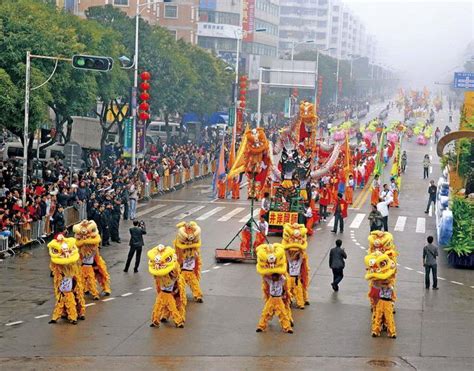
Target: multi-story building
(323, 24)
(178, 16)
(220, 23)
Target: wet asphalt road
(435, 328)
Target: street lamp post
(337, 82)
(295, 44)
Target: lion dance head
(189, 236)
(271, 259)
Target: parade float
(455, 202)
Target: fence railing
(36, 231)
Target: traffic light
(91, 62)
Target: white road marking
(188, 213)
(202, 186)
(216, 267)
(227, 263)
(400, 225)
(457, 283)
(357, 221)
(41, 316)
(206, 271)
(318, 229)
(210, 213)
(472, 287)
(408, 268)
(230, 214)
(431, 169)
(146, 289)
(362, 247)
(442, 279)
(420, 225)
(420, 272)
(13, 323)
(168, 211)
(331, 222)
(247, 217)
(357, 243)
(156, 207)
(90, 304)
(108, 299)
(126, 294)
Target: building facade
(323, 24)
(178, 16)
(220, 21)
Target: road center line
(457, 283)
(108, 299)
(41, 316)
(126, 294)
(216, 267)
(206, 271)
(408, 268)
(146, 288)
(13, 323)
(90, 304)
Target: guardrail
(38, 230)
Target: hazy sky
(425, 39)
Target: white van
(158, 128)
(14, 151)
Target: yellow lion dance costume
(188, 249)
(271, 265)
(381, 271)
(170, 285)
(94, 268)
(381, 242)
(67, 279)
(295, 243)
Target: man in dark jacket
(136, 244)
(432, 190)
(104, 225)
(115, 214)
(430, 253)
(337, 264)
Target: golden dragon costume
(170, 285)
(381, 271)
(188, 249)
(67, 279)
(93, 268)
(295, 243)
(271, 265)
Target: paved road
(435, 329)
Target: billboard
(248, 19)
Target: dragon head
(379, 266)
(257, 140)
(271, 259)
(162, 260)
(189, 236)
(294, 236)
(63, 251)
(86, 233)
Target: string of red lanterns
(144, 107)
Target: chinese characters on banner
(248, 20)
(281, 217)
(127, 137)
(140, 146)
(320, 92)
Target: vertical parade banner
(127, 137)
(140, 144)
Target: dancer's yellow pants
(384, 314)
(165, 306)
(275, 306)
(193, 283)
(65, 303)
(90, 283)
(297, 292)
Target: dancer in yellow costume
(271, 264)
(381, 271)
(67, 280)
(188, 249)
(381, 242)
(170, 286)
(93, 268)
(295, 243)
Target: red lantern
(144, 86)
(144, 106)
(144, 116)
(145, 76)
(242, 98)
(243, 78)
(242, 104)
(144, 96)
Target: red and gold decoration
(144, 106)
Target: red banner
(248, 20)
(340, 86)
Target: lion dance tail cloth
(171, 299)
(271, 265)
(295, 243)
(93, 266)
(68, 288)
(188, 251)
(381, 270)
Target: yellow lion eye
(169, 259)
(383, 263)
